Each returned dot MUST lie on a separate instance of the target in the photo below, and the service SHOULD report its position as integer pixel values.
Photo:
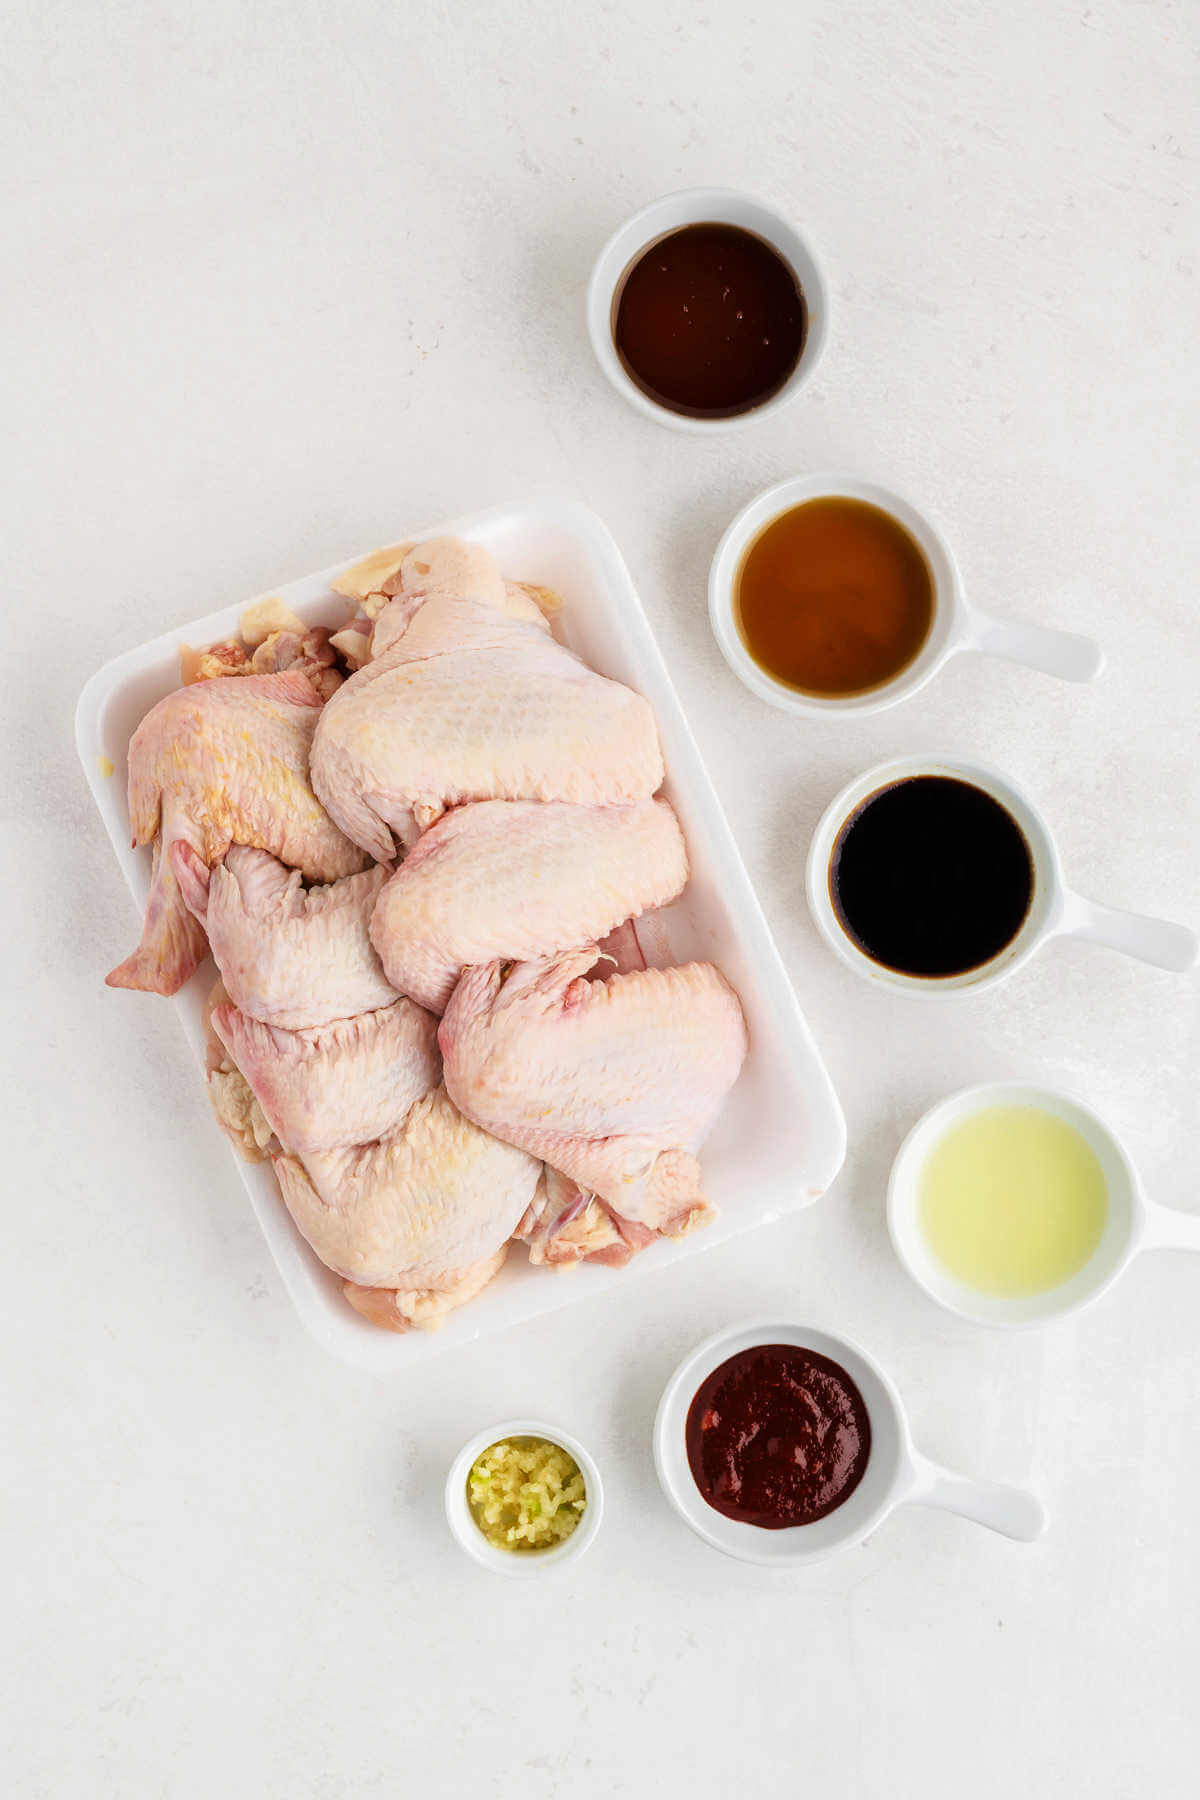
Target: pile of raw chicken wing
(416, 850)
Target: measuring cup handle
(1062, 653)
(1169, 1229)
(1156, 941)
(1012, 1511)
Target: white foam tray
(781, 1137)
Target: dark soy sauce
(710, 321)
(931, 876)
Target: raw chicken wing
(614, 1083)
(517, 879)
(220, 762)
(468, 697)
(288, 955)
(232, 1099)
(339, 1084)
(417, 1210)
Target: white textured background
(282, 281)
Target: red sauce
(778, 1436)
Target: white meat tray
(781, 1137)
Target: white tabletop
(284, 282)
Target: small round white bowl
(702, 206)
(896, 1472)
(516, 1562)
(1134, 1223)
(1054, 909)
(956, 625)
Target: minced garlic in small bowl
(526, 1494)
(524, 1497)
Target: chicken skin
(613, 1083)
(513, 880)
(431, 1200)
(398, 1308)
(216, 763)
(468, 697)
(336, 1085)
(288, 955)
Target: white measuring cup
(957, 625)
(1133, 1224)
(897, 1474)
(1055, 910)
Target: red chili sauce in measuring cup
(778, 1435)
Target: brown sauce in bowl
(834, 597)
(777, 1436)
(710, 321)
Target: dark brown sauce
(931, 876)
(834, 597)
(778, 1436)
(710, 321)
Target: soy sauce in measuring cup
(931, 876)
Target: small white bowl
(956, 625)
(518, 1562)
(1133, 1224)
(1054, 909)
(896, 1472)
(702, 206)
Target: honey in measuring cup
(834, 597)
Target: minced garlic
(526, 1494)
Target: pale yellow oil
(1013, 1200)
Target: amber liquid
(834, 597)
